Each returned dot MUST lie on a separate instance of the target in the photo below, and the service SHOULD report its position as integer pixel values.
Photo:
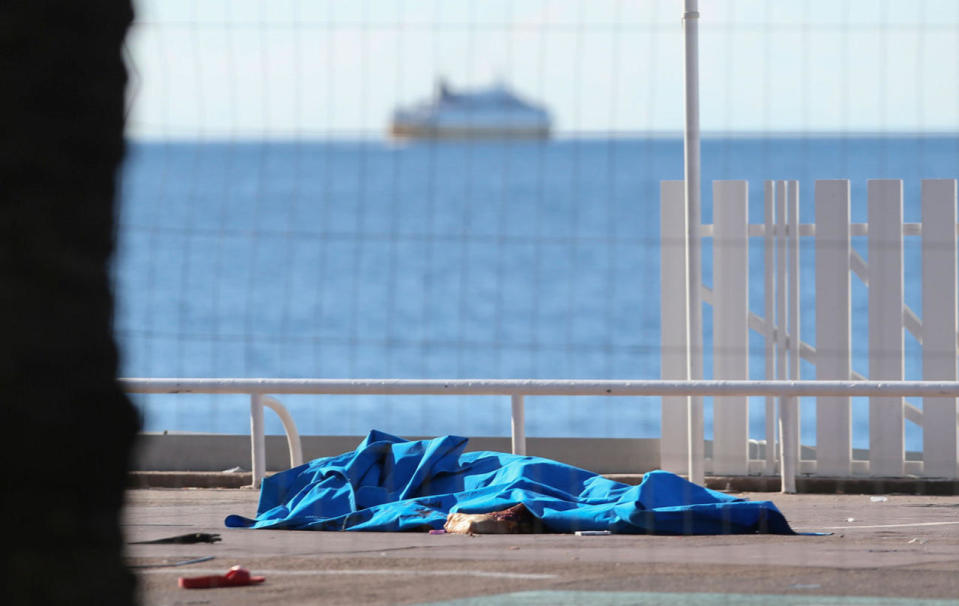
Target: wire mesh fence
(271, 226)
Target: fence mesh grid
(270, 226)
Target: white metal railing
(836, 262)
(517, 389)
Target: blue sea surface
(370, 259)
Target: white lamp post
(694, 336)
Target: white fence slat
(730, 332)
(786, 422)
(789, 407)
(886, 423)
(883, 273)
(793, 246)
(781, 318)
(673, 435)
(939, 304)
(769, 198)
(833, 420)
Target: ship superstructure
(494, 112)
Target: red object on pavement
(235, 577)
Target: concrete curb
(188, 479)
(809, 485)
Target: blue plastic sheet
(390, 484)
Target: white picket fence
(835, 263)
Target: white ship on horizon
(489, 113)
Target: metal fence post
(518, 425)
(257, 439)
(769, 343)
(788, 446)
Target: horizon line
(369, 136)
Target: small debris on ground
(182, 539)
(236, 576)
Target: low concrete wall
(217, 452)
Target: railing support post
(788, 448)
(257, 439)
(769, 341)
(292, 435)
(518, 425)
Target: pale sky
(240, 69)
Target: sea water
(511, 259)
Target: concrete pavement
(900, 550)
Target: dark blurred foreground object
(67, 428)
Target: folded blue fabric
(391, 484)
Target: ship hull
(416, 131)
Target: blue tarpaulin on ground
(391, 484)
